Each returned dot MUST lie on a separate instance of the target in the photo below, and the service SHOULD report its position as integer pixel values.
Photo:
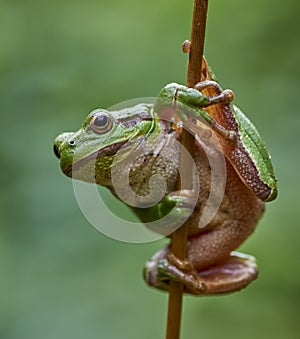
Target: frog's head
(88, 153)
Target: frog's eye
(101, 123)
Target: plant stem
(197, 42)
(179, 237)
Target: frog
(108, 137)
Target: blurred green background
(60, 278)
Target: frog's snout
(56, 151)
(60, 141)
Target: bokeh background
(59, 277)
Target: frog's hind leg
(231, 274)
(213, 267)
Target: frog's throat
(109, 150)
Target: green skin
(90, 154)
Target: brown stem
(179, 237)
(197, 42)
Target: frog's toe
(163, 267)
(192, 283)
(151, 274)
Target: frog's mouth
(78, 164)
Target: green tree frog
(212, 266)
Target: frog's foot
(229, 275)
(184, 198)
(164, 266)
(176, 206)
(222, 97)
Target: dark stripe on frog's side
(237, 154)
(260, 154)
(132, 120)
(104, 152)
(247, 171)
(242, 160)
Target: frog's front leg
(176, 206)
(222, 97)
(175, 95)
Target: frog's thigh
(214, 245)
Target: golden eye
(101, 123)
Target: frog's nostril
(72, 142)
(56, 151)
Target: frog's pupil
(100, 120)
